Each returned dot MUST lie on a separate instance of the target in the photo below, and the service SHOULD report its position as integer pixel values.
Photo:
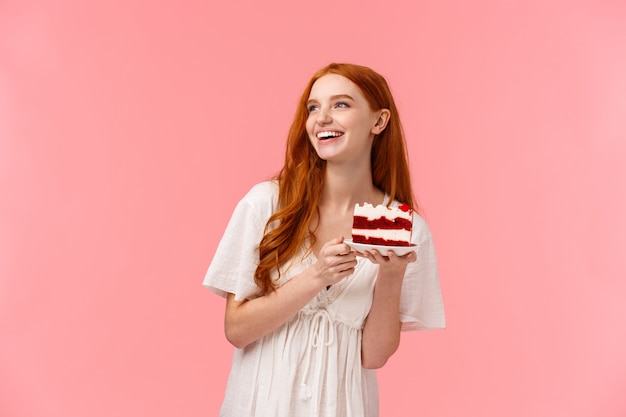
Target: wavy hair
(301, 179)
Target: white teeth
(328, 134)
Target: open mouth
(328, 134)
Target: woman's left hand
(391, 262)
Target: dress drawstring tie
(321, 335)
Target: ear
(381, 121)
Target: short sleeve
(421, 304)
(237, 256)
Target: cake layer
(382, 225)
(396, 234)
(361, 222)
(378, 241)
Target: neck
(346, 186)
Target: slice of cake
(382, 225)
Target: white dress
(311, 366)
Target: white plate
(398, 250)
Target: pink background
(129, 130)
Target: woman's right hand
(249, 320)
(335, 262)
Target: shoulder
(261, 198)
(263, 192)
(421, 231)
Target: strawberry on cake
(382, 225)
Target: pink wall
(129, 129)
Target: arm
(249, 320)
(381, 333)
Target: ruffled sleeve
(421, 304)
(237, 255)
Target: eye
(312, 108)
(342, 105)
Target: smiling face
(341, 125)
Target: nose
(323, 116)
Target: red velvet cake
(382, 225)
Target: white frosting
(376, 212)
(387, 234)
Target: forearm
(248, 321)
(381, 333)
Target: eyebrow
(335, 97)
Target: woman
(310, 318)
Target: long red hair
(301, 179)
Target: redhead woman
(311, 319)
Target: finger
(376, 256)
(409, 257)
(345, 249)
(343, 268)
(346, 266)
(404, 259)
(347, 261)
(338, 249)
(335, 258)
(333, 242)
